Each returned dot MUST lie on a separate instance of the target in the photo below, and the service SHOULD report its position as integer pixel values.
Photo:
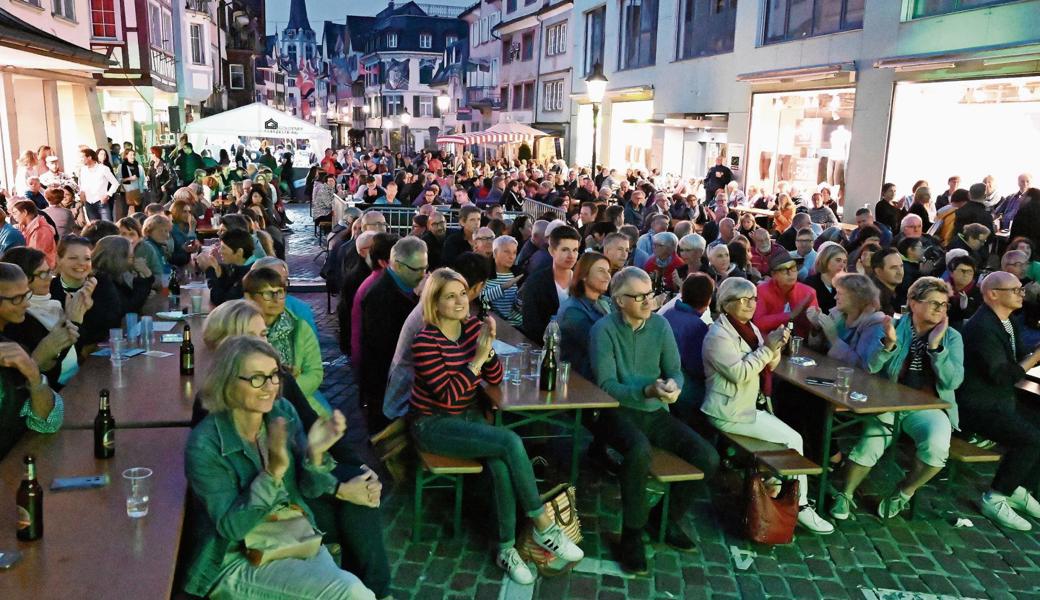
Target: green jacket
(947, 363)
(307, 362)
(225, 475)
(626, 361)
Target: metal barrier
(399, 218)
(536, 209)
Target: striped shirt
(503, 301)
(443, 381)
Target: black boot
(631, 552)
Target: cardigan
(625, 361)
(732, 371)
(576, 318)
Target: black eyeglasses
(258, 381)
(1021, 291)
(411, 268)
(640, 297)
(17, 300)
(270, 295)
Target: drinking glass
(131, 328)
(563, 372)
(116, 346)
(843, 380)
(796, 345)
(524, 354)
(511, 366)
(138, 481)
(147, 332)
(196, 303)
(534, 366)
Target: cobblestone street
(926, 555)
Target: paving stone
(610, 581)
(830, 589)
(722, 584)
(912, 584)
(463, 581)
(488, 591)
(638, 587)
(938, 584)
(774, 586)
(802, 588)
(610, 595)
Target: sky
(319, 11)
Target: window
(35, 3)
(594, 22)
(510, 6)
(510, 50)
(552, 96)
(167, 30)
(237, 77)
(426, 40)
(155, 25)
(529, 95)
(638, 34)
(198, 44)
(518, 96)
(474, 33)
(394, 105)
(705, 28)
(103, 18)
(528, 45)
(556, 39)
(797, 19)
(63, 8)
(927, 8)
(450, 39)
(426, 106)
(391, 40)
(503, 94)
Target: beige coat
(732, 371)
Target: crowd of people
(670, 296)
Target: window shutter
(415, 106)
(382, 102)
(436, 109)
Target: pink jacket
(40, 235)
(774, 307)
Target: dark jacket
(1027, 222)
(434, 247)
(991, 368)
(383, 312)
(539, 302)
(888, 215)
(228, 286)
(576, 318)
(112, 302)
(454, 244)
(972, 212)
(351, 282)
(29, 333)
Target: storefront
(800, 137)
(140, 115)
(629, 135)
(971, 128)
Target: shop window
(64, 8)
(198, 44)
(236, 77)
(801, 138)
(638, 34)
(797, 19)
(103, 19)
(528, 45)
(706, 27)
(928, 8)
(594, 23)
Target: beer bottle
(187, 353)
(547, 378)
(30, 504)
(175, 291)
(104, 429)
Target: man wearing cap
(975, 210)
(782, 299)
(53, 174)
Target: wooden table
(533, 405)
(90, 548)
(883, 396)
(144, 391)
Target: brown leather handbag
(769, 520)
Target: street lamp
(388, 124)
(596, 86)
(443, 102)
(406, 118)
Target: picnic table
(883, 396)
(90, 548)
(532, 405)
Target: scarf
(746, 331)
(280, 335)
(47, 311)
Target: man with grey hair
(989, 405)
(645, 245)
(483, 240)
(538, 241)
(727, 227)
(616, 247)
(383, 312)
(501, 289)
(1005, 211)
(636, 360)
(662, 265)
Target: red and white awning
(503, 133)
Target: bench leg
(952, 466)
(825, 445)
(457, 517)
(664, 512)
(417, 518)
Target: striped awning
(503, 133)
(451, 139)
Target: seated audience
(502, 289)
(886, 267)
(224, 277)
(831, 260)
(965, 295)
(719, 265)
(153, 248)
(782, 299)
(588, 302)
(686, 319)
(662, 264)
(853, 329)
(38, 233)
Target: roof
(16, 33)
(298, 16)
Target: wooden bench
(434, 467)
(964, 452)
(779, 459)
(667, 468)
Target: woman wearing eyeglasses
(288, 332)
(923, 352)
(738, 366)
(250, 457)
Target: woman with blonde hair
(153, 248)
(453, 353)
(784, 214)
(28, 165)
(831, 260)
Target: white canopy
(502, 133)
(256, 120)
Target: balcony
(198, 6)
(486, 96)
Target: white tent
(256, 120)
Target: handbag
(284, 533)
(769, 520)
(561, 508)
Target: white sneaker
(1023, 501)
(556, 541)
(510, 561)
(996, 507)
(808, 519)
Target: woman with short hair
(37, 232)
(831, 260)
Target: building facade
(480, 101)
(245, 52)
(201, 48)
(844, 93)
(48, 70)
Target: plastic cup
(137, 482)
(796, 345)
(147, 332)
(116, 346)
(843, 380)
(131, 328)
(534, 365)
(196, 303)
(524, 354)
(563, 372)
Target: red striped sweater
(443, 381)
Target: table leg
(574, 447)
(825, 445)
